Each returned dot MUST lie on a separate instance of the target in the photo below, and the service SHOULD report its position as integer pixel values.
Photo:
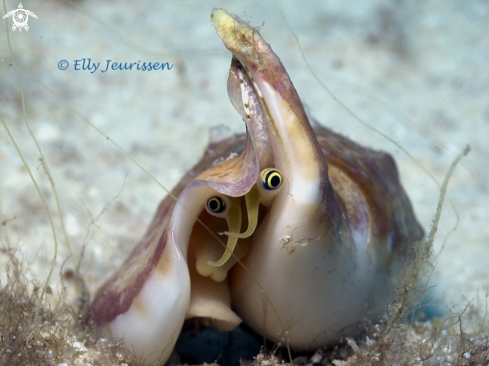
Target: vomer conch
(317, 220)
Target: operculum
(247, 102)
(295, 149)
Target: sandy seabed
(418, 72)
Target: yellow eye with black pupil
(272, 180)
(216, 204)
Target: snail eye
(271, 179)
(216, 204)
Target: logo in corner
(20, 17)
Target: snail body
(317, 220)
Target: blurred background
(416, 71)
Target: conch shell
(317, 220)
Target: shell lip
(235, 176)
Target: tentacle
(252, 199)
